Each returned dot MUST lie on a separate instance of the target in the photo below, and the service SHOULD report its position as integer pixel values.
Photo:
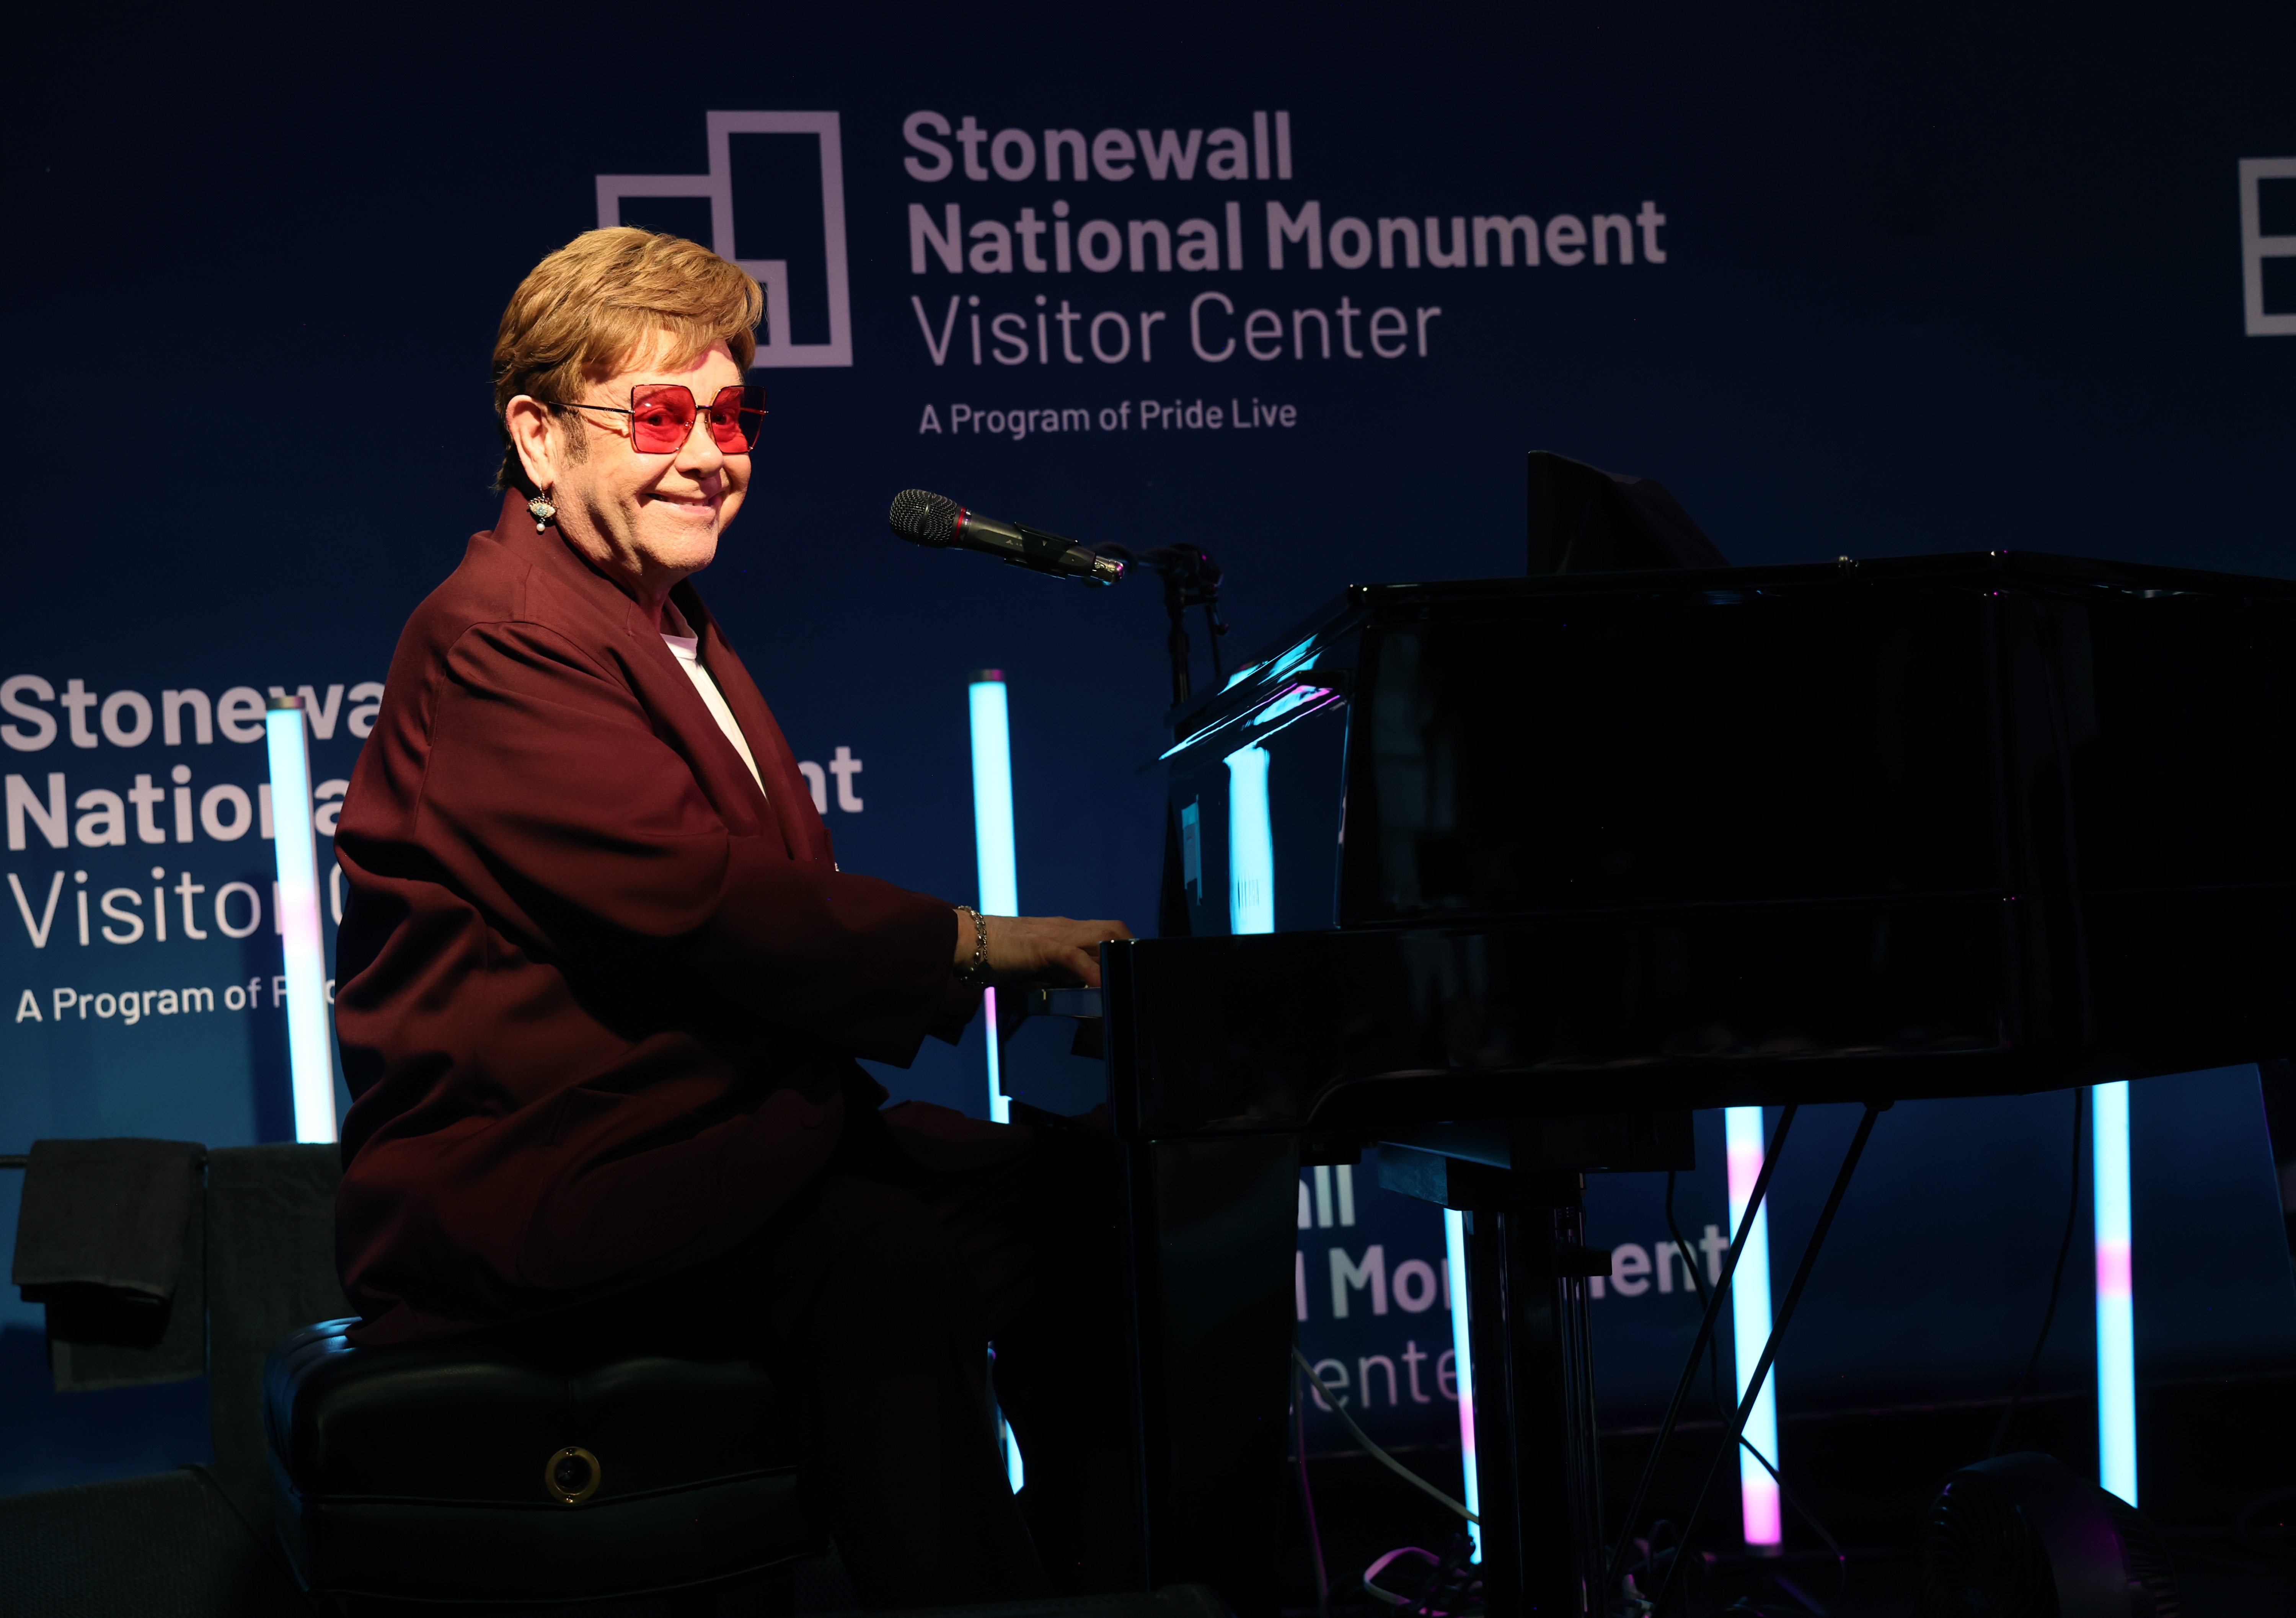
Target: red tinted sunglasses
(661, 417)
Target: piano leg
(1535, 1433)
(1212, 1234)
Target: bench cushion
(527, 1467)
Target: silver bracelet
(975, 972)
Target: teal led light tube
(1463, 1362)
(310, 1052)
(998, 864)
(1750, 1323)
(992, 840)
(2116, 1325)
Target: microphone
(935, 519)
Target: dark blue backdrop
(1933, 278)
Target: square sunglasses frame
(648, 394)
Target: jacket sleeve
(555, 799)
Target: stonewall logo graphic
(774, 203)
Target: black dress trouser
(874, 1295)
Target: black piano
(1549, 861)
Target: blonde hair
(586, 310)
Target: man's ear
(535, 435)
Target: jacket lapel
(614, 626)
(788, 796)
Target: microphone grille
(924, 518)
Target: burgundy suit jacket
(598, 998)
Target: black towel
(109, 1239)
(271, 1270)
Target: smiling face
(644, 521)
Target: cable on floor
(1449, 1589)
(1370, 1448)
(1307, 1495)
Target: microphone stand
(1192, 579)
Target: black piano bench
(527, 1469)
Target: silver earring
(543, 511)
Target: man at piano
(604, 985)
